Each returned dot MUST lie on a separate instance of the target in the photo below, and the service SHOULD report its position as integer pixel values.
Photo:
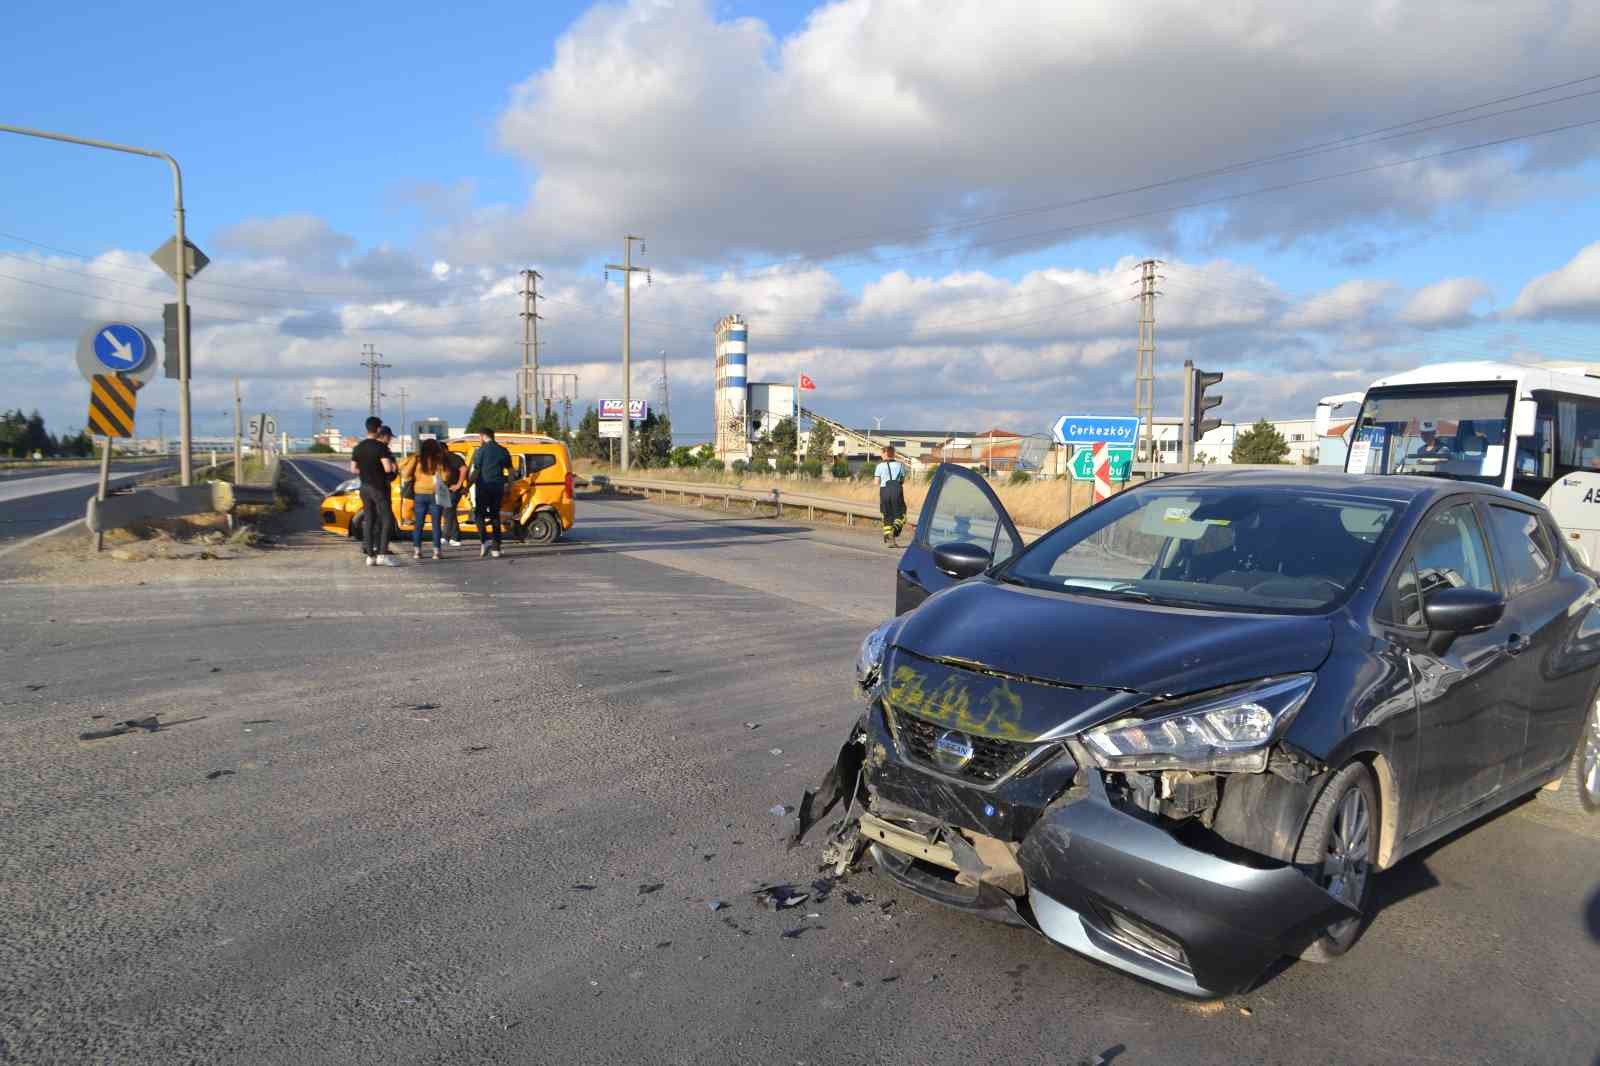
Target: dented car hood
(1054, 639)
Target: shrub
(787, 465)
(841, 469)
(741, 467)
(811, 468)
(320, 448)
(683, 457)
(1018, 477)
(715, 466)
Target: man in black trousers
(374, 463)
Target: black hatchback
(1181, 733)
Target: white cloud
(1572, 291)
(1349, 305)
(883, 116)
(298, 237)
(1444, 303)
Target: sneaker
(887, 538)
(453, 543)
(370, 560)
(416, 555)
(438, 553)
(483, 551)
(385, 560)
(495, 554)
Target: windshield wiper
(1095, 590)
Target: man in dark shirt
(491, 466)
(374, 463)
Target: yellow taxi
(538, 504)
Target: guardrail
(774, 498)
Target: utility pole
(238, 435)
(528, 379)
(161, 430)
(375, 365)
(666, 389)
(1144, 386)
(403, 436)
(628, 270)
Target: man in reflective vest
(891, 475)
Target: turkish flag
(807, 383)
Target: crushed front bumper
(1112, 884)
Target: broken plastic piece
(213, 775)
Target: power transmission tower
(528, 377)
(375, 365)
(628, 271)
(404, 434)
(1144, 385)
(321, 415)
(666, 389)
(562, 384)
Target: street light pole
(185, 472)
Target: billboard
(637, 409)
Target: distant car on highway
(1181, 733)
(538, 503)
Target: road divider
(776, 503)
(123, 509)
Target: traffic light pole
(181, 273)
(1188, 415)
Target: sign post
(116, 359)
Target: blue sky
(365, 150)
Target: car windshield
(1254, 549)
(1454, 432)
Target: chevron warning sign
(112, 399)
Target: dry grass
(1035, 504)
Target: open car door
(962, 525)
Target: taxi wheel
(1340, 844)
(357, 525)
(544, 529)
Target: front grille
(991, 759)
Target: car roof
(1396, 488)
(508, 438)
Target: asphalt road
(478, 809)
(34, 500)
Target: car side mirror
(962, 560)
(1450, 612)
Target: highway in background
(36, 499)
(512, 811)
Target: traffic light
(1199, 424)
(169, 319)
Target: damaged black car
(1182, 733)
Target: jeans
(452, 523)
(421, 508)
(487, 513)
(377, 521)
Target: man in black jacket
(491, 468)
(372, 460)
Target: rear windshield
(1239, 549)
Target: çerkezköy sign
(1086, 429)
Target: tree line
(22, 435)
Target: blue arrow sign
(1086, 429)
(119, 347)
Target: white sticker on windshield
(1177, 514)
(1360, 456)
(1494, 457)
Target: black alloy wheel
(1580, 785)
(544, 529)
(1340, 844)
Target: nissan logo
(952, 750)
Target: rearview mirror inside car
(961, 560)
(1452, 611)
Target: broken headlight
(1228, 732)
(869, 661)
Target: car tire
(544, 529)
(1340, 848)
(1580, 785)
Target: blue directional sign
(1086, 429)
(120, 347)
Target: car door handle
(1517, 644)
